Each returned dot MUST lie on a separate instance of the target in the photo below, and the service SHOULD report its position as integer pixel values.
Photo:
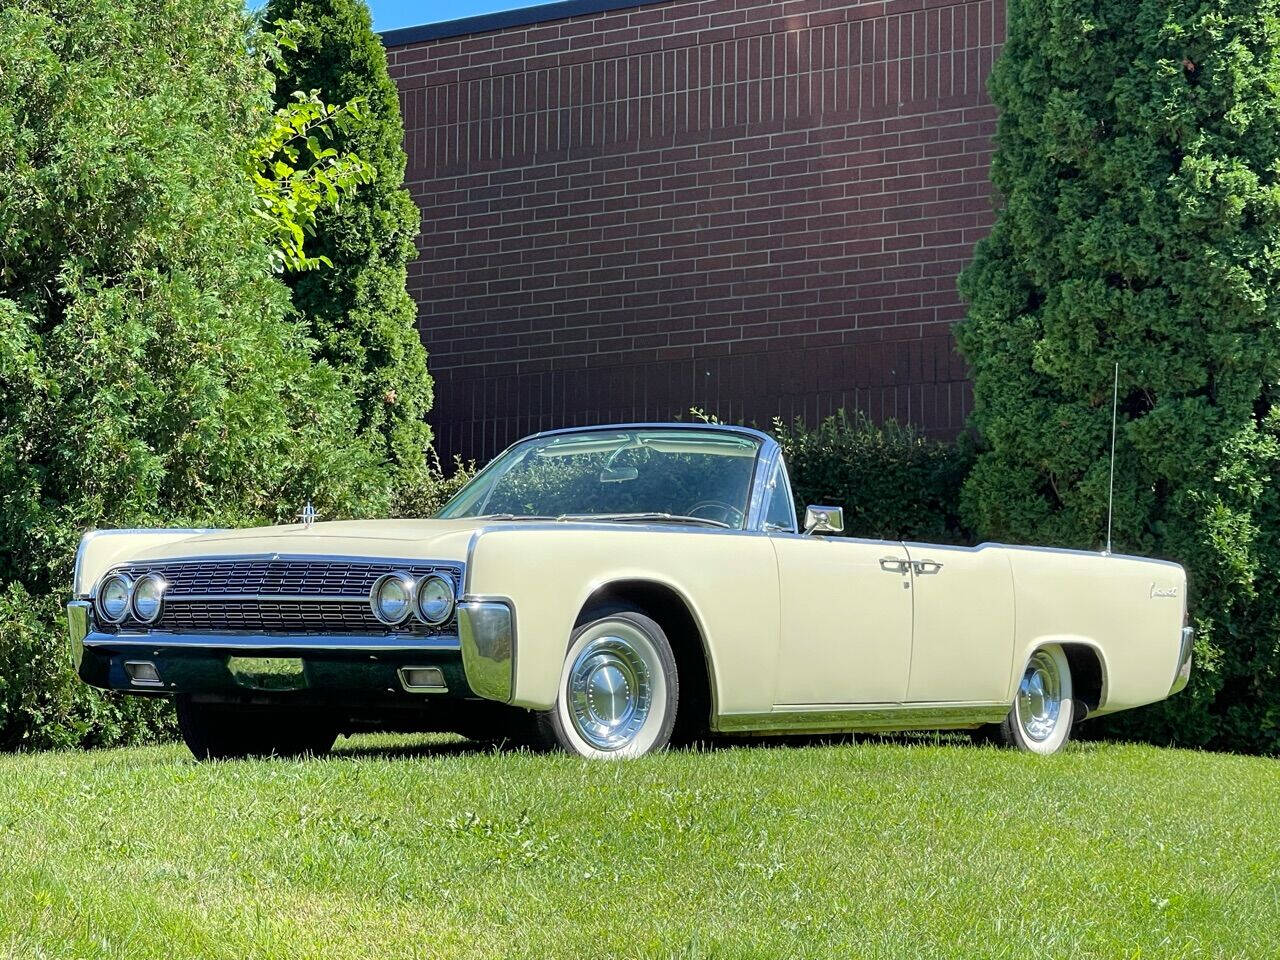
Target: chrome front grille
(286, 594)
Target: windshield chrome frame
(768, 453)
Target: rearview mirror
(823, 520)
(619, 474)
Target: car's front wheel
(1043, 711)
(618, 692)
(219, 732)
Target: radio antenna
(1111, 488)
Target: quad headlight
(148, 598)
(434, 601)
(112, 599)
(392, 598)
(396, 596)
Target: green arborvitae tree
(1138, 163)
(359, 309)
(151, 372)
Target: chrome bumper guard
(487, 630)
(1184, 660)
(77, 629)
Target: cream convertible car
(611, 590)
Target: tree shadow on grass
(907, 738)
(429, 746)
(410, 746)
(404, 747)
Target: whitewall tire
(1043, 708)
(618, 690)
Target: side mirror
(823, 520)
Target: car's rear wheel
(1043, 708)
(220, 732)
(619, 690)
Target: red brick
(778, 196)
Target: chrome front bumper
(156, 640)
(486, 641)
(351, 666)
(1184, 660)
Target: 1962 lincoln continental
(609, 591)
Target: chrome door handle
(925, 567)
(893, 565)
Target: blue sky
(393, 14)
(390, 14)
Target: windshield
(671, 475)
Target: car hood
(392, 539)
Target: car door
(845, 634)
(962, 643)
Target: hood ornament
(308, 515)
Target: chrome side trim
(869, 718)
(487, 634)
(464, 582)
(1185, 651)
(214, 641)
(1032, 548)
(77, 629)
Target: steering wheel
(729, 514)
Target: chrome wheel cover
(610, 690)
(1040, 697)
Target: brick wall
(757, 208)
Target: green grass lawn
(879, 849)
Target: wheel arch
(671, 609)
(1088, 664)
(1088, 675)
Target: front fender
(548, 572)
(102, 549)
